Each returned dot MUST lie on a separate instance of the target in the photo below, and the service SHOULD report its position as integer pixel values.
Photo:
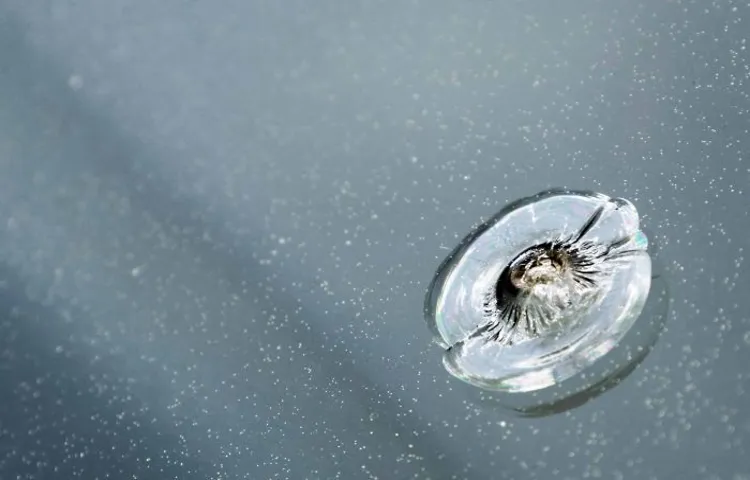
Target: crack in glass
(540, 291)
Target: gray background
(218, 220)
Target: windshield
(220, 223)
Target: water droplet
(540, 291)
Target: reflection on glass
(541, 291)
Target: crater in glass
(540, 291)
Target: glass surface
(218, 224)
